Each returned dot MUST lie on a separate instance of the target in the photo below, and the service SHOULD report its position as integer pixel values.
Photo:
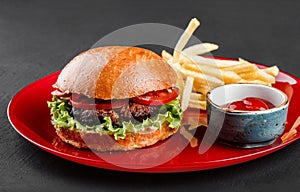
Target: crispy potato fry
(203, 78)
(187, 92)
(292, 132)
(255, 81)
(249, 76)
(198, 104)
(201, 88)
(200, 49)
(180, 83)
(241, 68)
(208, 73)
(193, 140)
(166, 56)
(207, 61)
(193, 25)
(274, 71)
(258, 75)
(198, 75)
(289, 135)
(197, 96)
(225, 76)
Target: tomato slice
(249, 104)
(83, 102)
(160, 97)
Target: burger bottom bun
(102, 143)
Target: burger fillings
(144, 109)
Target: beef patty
(133, 111)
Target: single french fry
(292, 132)
(289, 135)
(249, 76)
(193, 140)
(197, 96)
(203, 78)
(216, 63)
(230, 77)
(197, 104)
(242, 68)
(175, 65)
(199, 82)
(255, 81)
(180, 84)
(200, 49)
(192, 26)
(187, 90)
(166, 55)
(169, 58)
(274, 71)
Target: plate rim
(158, 169)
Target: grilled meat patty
(133, 111)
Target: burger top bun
(115, 72)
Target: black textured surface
(40, 37)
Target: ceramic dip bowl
(244, 128)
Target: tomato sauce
(250, 104)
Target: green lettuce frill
(61, 118)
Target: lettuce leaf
(60, 117)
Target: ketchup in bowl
(247, 115)
(250, 104)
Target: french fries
(226, 76)
(201, 74)
(200, 49)
(208, 73)
(197, 96)
(202, 78)
(193, 25)
(271, 70)
(197, 103)
(292, 132)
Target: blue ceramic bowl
(246, 129)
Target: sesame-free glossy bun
(115, 72)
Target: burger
(115, 98)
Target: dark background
(40, 37)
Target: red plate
(29, 115)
